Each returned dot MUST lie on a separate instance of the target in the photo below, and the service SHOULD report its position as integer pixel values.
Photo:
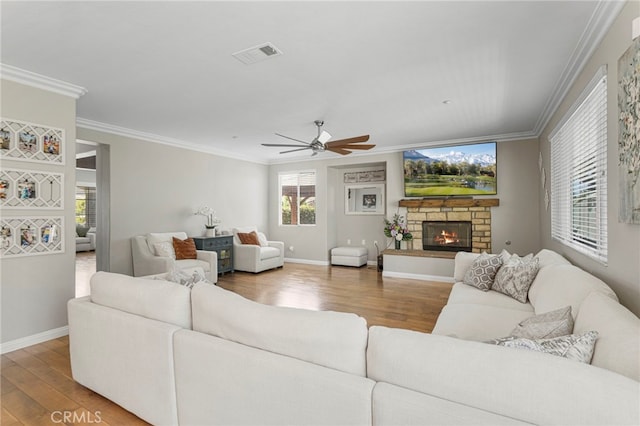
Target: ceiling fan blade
(293, 139)
(294, 150)
(337, 150)
(356, 146)
(284, 145)
(356, 139)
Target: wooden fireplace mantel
(450, 202)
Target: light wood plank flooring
(37, 388)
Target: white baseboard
(423, 277)
(307, 261)
(34, 339)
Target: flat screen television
(452, 170)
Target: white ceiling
(378, 68)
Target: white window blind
(579, 173)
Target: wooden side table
(223, 245)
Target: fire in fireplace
(446, 236)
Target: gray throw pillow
(574, 347)
(515, 277)
(546, 326)
(483, 271)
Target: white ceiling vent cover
(257, 53)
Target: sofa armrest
(92, 239)
(530, 386)
(212, 258)
(151, 265)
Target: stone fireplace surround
(475, 210)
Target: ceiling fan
(320, 143)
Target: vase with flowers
(397, 229)
(212, 220)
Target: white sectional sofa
(208, 356)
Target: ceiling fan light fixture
(324, 136)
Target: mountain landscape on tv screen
(454, 170)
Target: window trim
(297, 173)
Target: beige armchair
(149, 259)
(256, 258)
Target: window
(86, 206)
(297, 198)
(579, 173)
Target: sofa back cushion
(618, 344)
(154, 299)
(560, 285)
(548, 257)
(332, 339)
(463, 262)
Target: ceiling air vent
(257, 53)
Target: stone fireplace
(476, 211)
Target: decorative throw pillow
(250, 238)
(483, 271)
(574, 347)
(81, 231)
(164, 249)
(515, 277)
(546, 326)
(262, 239)
(186, 279)
(185, 249)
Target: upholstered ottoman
(349, 256)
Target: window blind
(579, 173)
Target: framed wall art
(28, 236)
(23, 141)
(29, 189)
(628, 134)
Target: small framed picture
(48, 234)
(369, 202)
(4, 188)
(27, 236)
(26, 189)
(51, 145)
(5, 138)
(5, 237)
(27, 142)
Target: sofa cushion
(332, 339)
(462, 263)
(477, 322)
(515, 277)
(548, 257)
(462, 293)
(185, 249)
(159, 300)
(269, 253)
(618, 345)
(483, 271)
(574, 347)
(546, 326)
(560, 285)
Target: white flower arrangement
(210, 214)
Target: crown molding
(599, 24)
(40, 81)
(163, 140)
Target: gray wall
(516, 219)
(35, 289)
(156, 188)
(623, 270)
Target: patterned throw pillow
(483, 271)
(515, 277)
(546, 326)
(249, 238)
(574, 347)
(164, 249)
(185, 249)
(186, 279)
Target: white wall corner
(635, 28)
(34, 339)
(40, 81)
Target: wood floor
(37, 388)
